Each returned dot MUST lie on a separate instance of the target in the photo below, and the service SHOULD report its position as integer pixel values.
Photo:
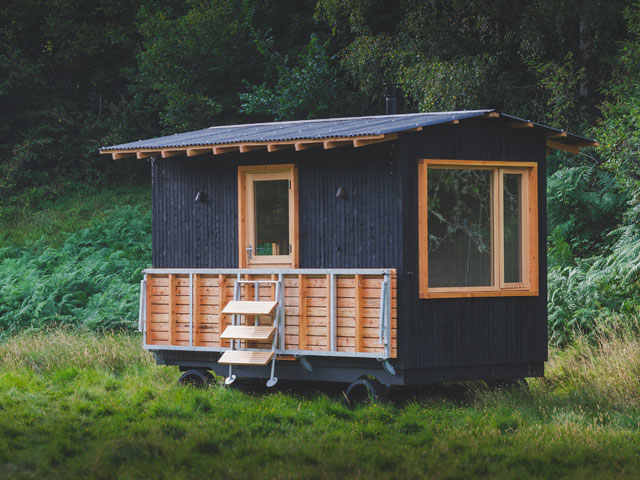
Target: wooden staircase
(242, 309)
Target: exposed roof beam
(307, 145)
(141, 155)
(251, 148)
(120, 155)
(274, 147)
(587, 144)
(521, 125)
(556, 135)
(492, 115)
(193, 152)
(336, 143)
(225, 149)
(172, 153)
(562, 146)
(361, 142)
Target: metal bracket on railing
(387, 366)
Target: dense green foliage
(88, 281)
(79, 406)
(77, 75)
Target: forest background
(79, 74)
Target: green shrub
(90, 281)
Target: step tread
(245, 307)
(240, 357)
(247, 332)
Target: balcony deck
(326, 312)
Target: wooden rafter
(307, 145)
(193, 152)
(336, 143)
(556, 135)
(251, 148)
(141, 155)
(276, 147)
(226, 149)
(172, 153)
(521, 125)
(369, 141)
(120, 155)
(562, 146)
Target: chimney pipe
(391, 91)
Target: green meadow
(86, 405)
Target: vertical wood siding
(468, 331)
(190, 234)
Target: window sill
(481, 293)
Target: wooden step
(242, 332)
(240, 357)
(244, 307)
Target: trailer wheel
(196, 378)
(366, 390)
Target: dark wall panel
(362, 230)
(469, 331)
(190, 234)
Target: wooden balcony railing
(327, 312)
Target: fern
(89, 282)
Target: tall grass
(91, 405)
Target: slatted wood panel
(357, 311)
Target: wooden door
(268, 216)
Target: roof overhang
(323, 133)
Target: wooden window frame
(289, 171)
(529, 287)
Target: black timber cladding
(190, 234)
(374, 226)
(359, 231)
(469, 331)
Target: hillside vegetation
(75, 76)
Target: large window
(478, 228)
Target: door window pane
(460, 227)
(271, 217)
(512, 195)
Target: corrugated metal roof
(314, 130)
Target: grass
(83, 405)
(31, 219)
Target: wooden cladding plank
(197, 313)
(302, 312)
(358, 312)
(150, 284)
(222, 302)
(172, 307)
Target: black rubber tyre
(196, 378)
(366, 390)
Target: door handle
(249, 252)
